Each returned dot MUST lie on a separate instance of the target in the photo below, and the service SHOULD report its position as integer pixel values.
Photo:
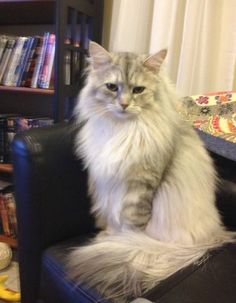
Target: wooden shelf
(31, 12)
(6, 168)
(10, 241)
(27, 90)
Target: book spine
(2, 140)
(48, 63)
(6, 57)
(24, 62)
(10, 133)
(13, 62)
(39, 63)
(19, 64)
(29, 60)
(50, 68)
(10, 205)
(33, 62)
(3, 42)
(4, 216)
(32, 122)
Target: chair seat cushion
(212, 281)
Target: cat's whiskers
(100, 111)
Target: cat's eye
(138, 89)
(112, 87)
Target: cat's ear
(98, 55)
(154, 62)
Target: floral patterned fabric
(213, 113)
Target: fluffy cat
(151, 180)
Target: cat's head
(121, 84)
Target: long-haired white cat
(151, 180)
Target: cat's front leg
(137, 205)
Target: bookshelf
(64, 18)
(73, 20)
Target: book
(6, 56)
(28, 63)
(24, 60)
(45, 76)
(9, 73)
(8, 213)
(4, 217)
(39, 62)
(3, 42)
(10, 204)
(18, 66)
(50, 70)
(3, 139)
(28, 82)
(67, 63)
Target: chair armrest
(224, 155)
(226, 194)
(51, 195)
(50, 185)
(226, 203)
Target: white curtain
(131, 25)
(200, 36)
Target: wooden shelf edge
(27, 90)
(6, 168)
(10, 241)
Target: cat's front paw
(136, 216)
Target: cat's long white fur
(184, 224)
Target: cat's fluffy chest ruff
(120, 149)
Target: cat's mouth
(122, 113)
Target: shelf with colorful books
(12, 124)
(27, 61)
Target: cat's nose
(124, 105)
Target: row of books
(27, 61)
(8, 221)
(10, 125)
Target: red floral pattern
(213, 113)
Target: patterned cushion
(214, 116)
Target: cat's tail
(126, 265)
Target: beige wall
(108, 4)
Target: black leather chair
(53, 215)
